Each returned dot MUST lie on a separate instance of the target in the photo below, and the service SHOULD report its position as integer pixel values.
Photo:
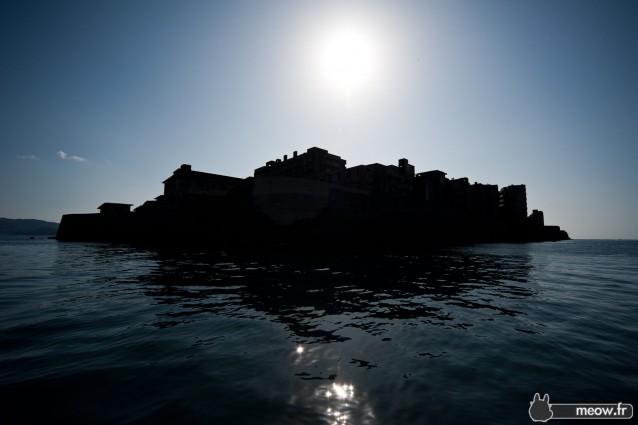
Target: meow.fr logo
(540, 410)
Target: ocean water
(110, 334)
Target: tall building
(513, 202)
(458, 192)
(484, 198)
(430, 186)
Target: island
(313, 199)
(27, 227)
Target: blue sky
(102, 100)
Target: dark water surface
(98, 333)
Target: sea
(94, 333)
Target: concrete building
(188, 183)
(360, 177)
(114, 208)
(513, 202)
(458, 194)
(316, 164)
(430, 186)
(484, 199)
(536, 219)
(379, 178)
(288, 200)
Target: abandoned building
(314, 196)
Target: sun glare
(348, 58)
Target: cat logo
(540, 410)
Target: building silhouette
(316, 163)
(313, 198)
(513, 202)
(186, 182)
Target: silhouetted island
(312, 199)
(28, 227)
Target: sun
(348, 58)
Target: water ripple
(293, 337)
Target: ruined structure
(312, 198)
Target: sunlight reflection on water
(342, 404)
(337, 402)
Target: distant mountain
(9, 226)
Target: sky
(100, 101)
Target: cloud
(28, 157)
(63, 155)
